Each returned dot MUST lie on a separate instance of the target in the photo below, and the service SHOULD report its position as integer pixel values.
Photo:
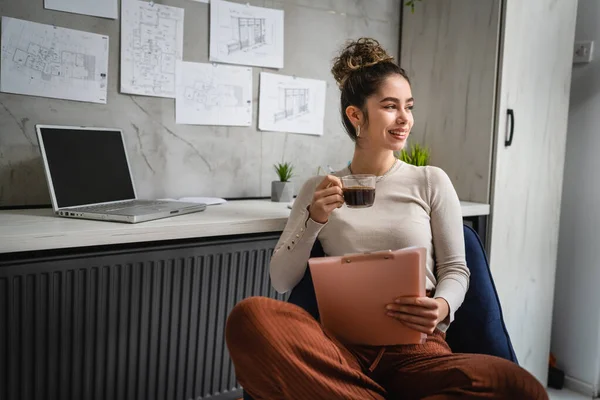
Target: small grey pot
(282, 191)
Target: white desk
(39, 229)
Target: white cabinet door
(535, 76)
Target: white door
(535, 76)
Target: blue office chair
(478, 325)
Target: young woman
(281, 352)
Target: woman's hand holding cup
(328, 196)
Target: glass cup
(359, 190)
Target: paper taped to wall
(246, 35)
(96, 8)
(290, 104)
(48, 61)
(210, 94)
(151, 45)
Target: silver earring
(357, 130)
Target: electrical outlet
(583, 52)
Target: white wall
(576, 320)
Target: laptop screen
(86, 166)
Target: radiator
(144, 324)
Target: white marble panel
(449, 50)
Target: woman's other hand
(419, 313)
(328, 196)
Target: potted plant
(283, 190)
(417, 155)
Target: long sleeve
(292, 251)
(448, 242)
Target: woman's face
(390, 115)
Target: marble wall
(170, 160)
(449, 50)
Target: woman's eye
(410, 108)
(390, 106)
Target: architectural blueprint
(48, 61)
(212, 94)
(151, 44)
(247, 35)
(290, 104)
(96, 8)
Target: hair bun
(358, 54)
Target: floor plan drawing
(244, 34)
(48, 61)
(208, 94)
(291, 104)
(151, 44)
(213, 94)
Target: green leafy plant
(284, 171)
(417, 155)
(411, 4)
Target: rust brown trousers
(281, 352)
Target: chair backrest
(478, 326)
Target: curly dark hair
(359, 70)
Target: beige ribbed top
(414, 206)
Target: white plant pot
(282, 191)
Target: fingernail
(388, 307)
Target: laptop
(352, 292)
(89, 177)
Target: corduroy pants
(281, 352)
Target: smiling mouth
(397, 133)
